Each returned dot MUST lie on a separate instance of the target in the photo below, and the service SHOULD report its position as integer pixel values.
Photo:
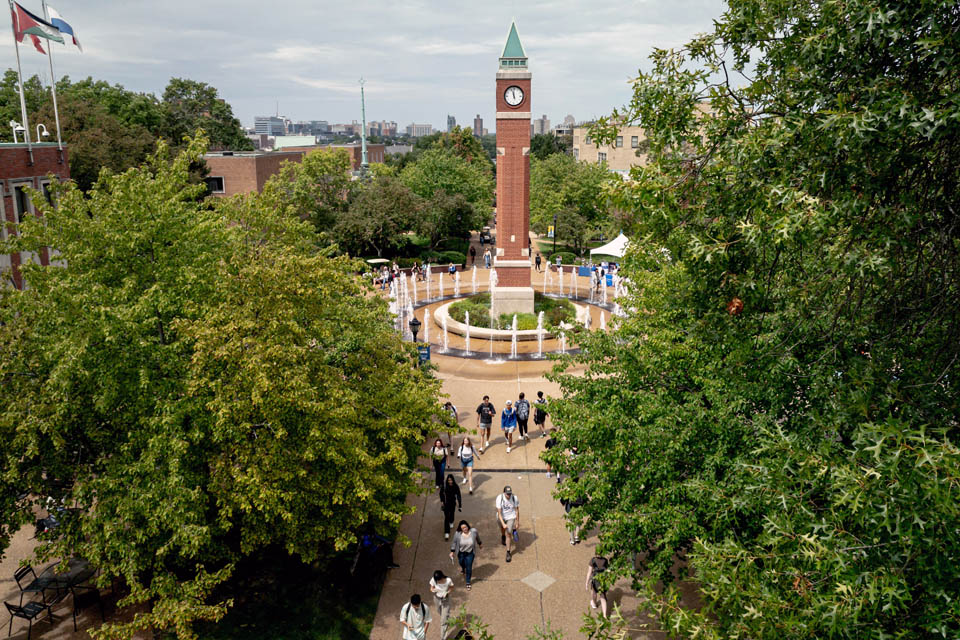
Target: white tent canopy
(616, 247)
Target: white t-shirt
(443, 588)
(417, 618)
(508, 507)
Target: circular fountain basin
(485, 333)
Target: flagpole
(23, 103)
(53, 84)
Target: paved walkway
(545, 580)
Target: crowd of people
(416, 616)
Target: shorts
(466, 463)
(509, 429)
(596, 588)
(511, 524)
(486, 425)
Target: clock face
(513, 96)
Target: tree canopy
(573, 190)
(202, 383)
(778, 410)
(107, 126)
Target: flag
(57, 20)
(25, 23)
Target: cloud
(298, 53)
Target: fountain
(546, 279)
(576, 285)
(603, 321)
(456, 284)
(603, 285)
(540, 335)
(560, 280)
(413, 287)
(491, 335)
(406, 321)
(563, 342)
(467, 336)
(474, 278)
(441, 285)
(513, 340)
(426, 273)
(445, 345)
(426, 326)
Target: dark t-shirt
(486, 411)
(550, 443)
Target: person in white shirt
(508, 515)
(441, 586)
(415, 619)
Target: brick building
(626, 150)
(244, 172)
(16, 172)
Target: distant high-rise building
(540, 125)
(451, 123)
(269, 125)
(415, 130)
(570, 121)
(478, 126)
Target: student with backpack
(415, 619)
(508, 517)
(540, 415)
(485, 413)
(523, 415)
(508, 423)
(450, 502)
(597, 566)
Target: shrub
(479, 314)
(430, 256)
(454, 244)
(525, 321)
(453, 256)
(567, 257)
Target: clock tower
(513, 293)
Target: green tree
(440, 170)
(546, 144)
(203, 385)
(97, 139)
(779, 410)
(560, 185)
(378, 217)
(317, 189)
(193, 105)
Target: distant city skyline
(421, 60)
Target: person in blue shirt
(508, 423)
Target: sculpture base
(511, 300)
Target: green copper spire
(513, 48)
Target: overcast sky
(421, 59)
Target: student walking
(598, 565)
(508, 515)
(473, 255)
(438, 454)
(451, 410)
(486, 258)
(485, 413)
(523, 415)
(415, 619)
(450, 501)
(508, 423)
(441, 586)
(466, 542)
(550, 444)
(540, 415)
(537, 261)
(570, 505)
(466, 453)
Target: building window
(576, 153)
(587, 140)
(215, 184)
(601, 157)
(21, 202)
(634, 142)
(619, 141)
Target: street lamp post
(554, 233)
(415, 327)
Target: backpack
(540, 415)
(523, 409)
